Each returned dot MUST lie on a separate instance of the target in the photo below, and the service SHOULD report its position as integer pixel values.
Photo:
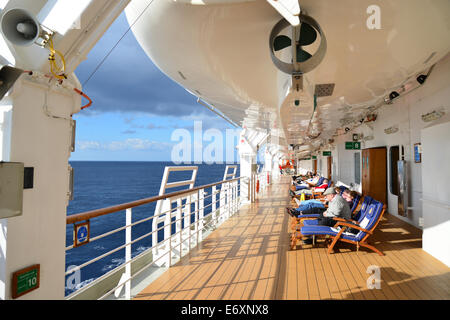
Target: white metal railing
(175, 244)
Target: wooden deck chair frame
(338, 237)
(363, 242)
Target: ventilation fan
(305, 34)
(308, 35)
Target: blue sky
(136, 107)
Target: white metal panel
(436, 193)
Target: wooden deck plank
(433, 281)
(264, 279)
(340, 276)
(249, 257)
(324, 291)
(223, 279)
(354, 288)
(302, 283)
(362, 268)
(292, 274)
(313, 289)
(331, 276)
(423, 289)
(390, 294)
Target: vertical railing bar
(128, 254)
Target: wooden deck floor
(248, 257)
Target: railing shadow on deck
(240, 248)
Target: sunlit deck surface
(248, 257)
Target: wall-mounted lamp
(371, 117)
(433, 115)
(391, 130)
(393, 95)
(421, 78)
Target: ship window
(394, 156)
(357, 167)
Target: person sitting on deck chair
(337, 208)
(348, 196)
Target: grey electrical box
(11, 189)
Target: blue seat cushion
(308, 215)
(317, 230)
(320, 181)
(312, 230)
(314, 222)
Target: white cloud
(88, 145)
(133, 144)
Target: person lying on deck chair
(320, 188)
(306, 184)
(306, 207)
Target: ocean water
(103, 184)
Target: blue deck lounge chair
(338, 233)
(342, 188)
(367, 200)
(355, 203)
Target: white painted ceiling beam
(289, 9)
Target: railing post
(236, 206)
(201, 214)
(187, 224)
(222, 202)
(179, 227)
(213, 206)
(167, 250)
(128, 253)
(170, 252)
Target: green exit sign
(25, 280)
(353, 145)
(327, 153)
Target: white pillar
(37, 131)
(247, 156)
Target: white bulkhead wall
(405, 113)
(431, 213)
(436, 194)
